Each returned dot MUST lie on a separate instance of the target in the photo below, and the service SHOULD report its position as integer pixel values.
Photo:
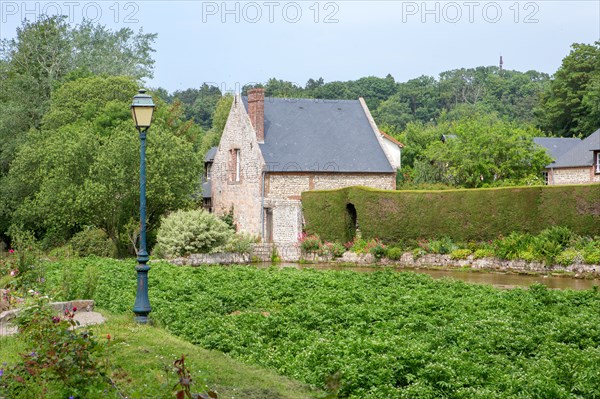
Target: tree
(486, 150)
(47, 53)
(81, 169)
(569, 107)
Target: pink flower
(74, 309)
(11, 251)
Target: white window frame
(597, 162)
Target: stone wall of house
(244, 195)
(291, 186)
(581, 175)
(282, 194)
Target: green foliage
(393, 253)
(461, 215)
(310, 243)
(90, 158)
(485, 151)
(46, 53)
(512, 246)
(92, 241)
(568, 257)
(592, 257)
(569, 107)
(242, 243)
(390, 335)
(442, 246)
(335, 249)
(460, 253)
(483, 253)
(377, 249)
(183, 233)
(58, 362)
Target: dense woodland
(68, 153)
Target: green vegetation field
(385, 334)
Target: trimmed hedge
(463, 214)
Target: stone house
(273, 149)
(576, 161)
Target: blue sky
(234, 43)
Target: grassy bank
(384, 334)
(141, 360)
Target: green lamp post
(141, 110)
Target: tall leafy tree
(80, 168)
(570, 105)
(486, 150)
(48, 52)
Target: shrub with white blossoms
(183, 233)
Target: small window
(238, 166)
(597, 162)
(235, 168)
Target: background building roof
(556, 146)
(581, 154)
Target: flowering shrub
(334, 249)
(57, 357)
(310, 243)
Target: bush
(377, 249)
(483, 253)
(335, 249)
(592, 257)
(241, 243)
(442, 246)
(545, 249)
(310, 243)
(58, 358)
(393, 253)
(93, 241)
(568, 257)
(460, 253)
(513, 246)
(186, 232)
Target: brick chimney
(256, 111)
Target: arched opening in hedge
(352, 220)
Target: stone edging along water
(445, 261)
(406, 260)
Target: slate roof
(210, 154)
(320, 135)
(556, 146)
(580, 154)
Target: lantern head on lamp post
(141, 110)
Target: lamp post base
(142, 307)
